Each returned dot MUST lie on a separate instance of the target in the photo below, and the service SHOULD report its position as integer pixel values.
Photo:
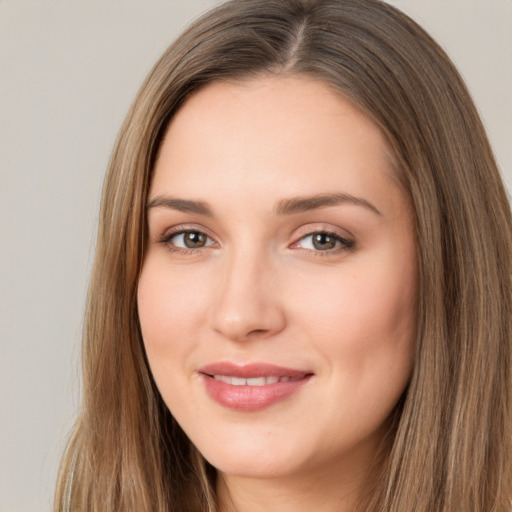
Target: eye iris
(323, 241)
(194, 239)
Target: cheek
(364, 319)
(168, 307)
(360, 304)
(366, 332)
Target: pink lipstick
(251, 387)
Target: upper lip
(251, 370)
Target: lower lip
(251, 398)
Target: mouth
(253, 387)
(255, 381)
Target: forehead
(285, 135)
(271, 106)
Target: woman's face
(277, 297)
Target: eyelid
(312, 228)
(173, 236)
(180, 228)
(167, 235)
(344, 237)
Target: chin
(252, 457)
(248, 466)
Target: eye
(324, 241)
(189, 239)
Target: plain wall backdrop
(69, 70)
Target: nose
(247, 304)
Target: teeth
(254, 381)
(257, 381)
(222, 378)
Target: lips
(251, 387)
(254, 381)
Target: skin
(259, 290)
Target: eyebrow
(182, 205)
(303, 204)
(289, 206)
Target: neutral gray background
(68, 72)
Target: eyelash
(166, 241)
(343, 243)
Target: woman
(301, 295)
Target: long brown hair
(451, 444)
